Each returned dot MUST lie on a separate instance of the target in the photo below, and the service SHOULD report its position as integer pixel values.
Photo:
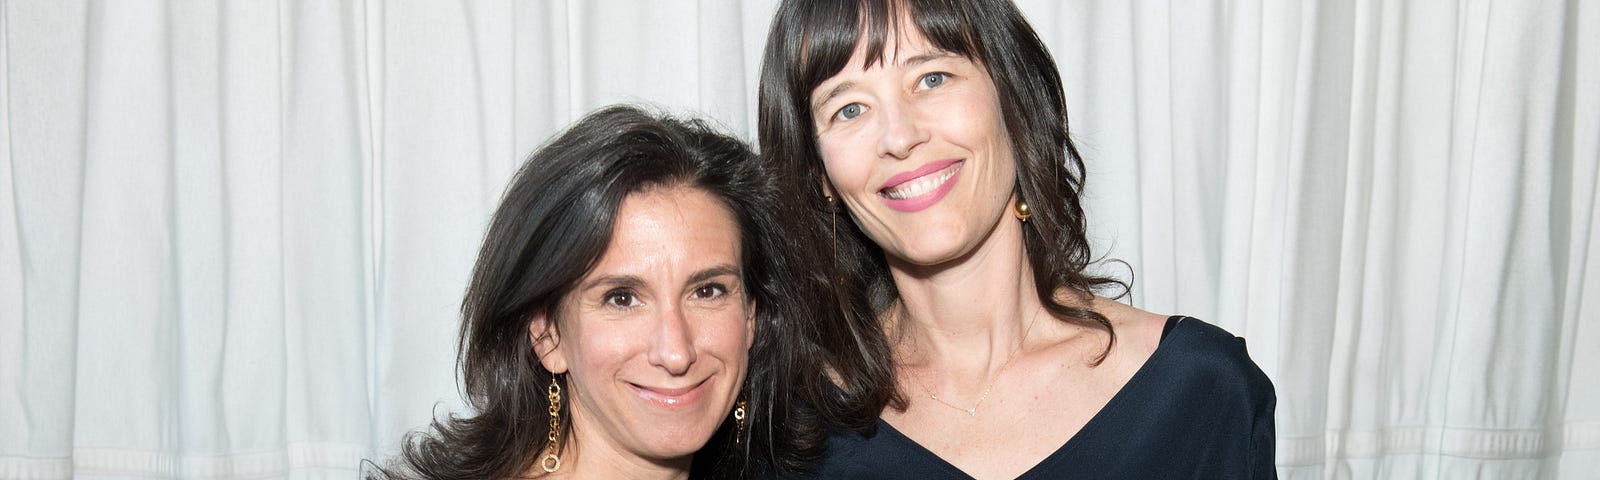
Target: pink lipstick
(921, 188)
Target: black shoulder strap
(1172, 321)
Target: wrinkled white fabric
(234, 235)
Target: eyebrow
(847, 85)
(828, 96)
(714, 272)
(928, 57)
(634, 281)
(614, 281)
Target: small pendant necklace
(973, 410)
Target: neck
(968, 316)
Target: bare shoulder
(1138, 331)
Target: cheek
(843, 162)
(833, 168)
(602, 349)
(1006, 164)
(727, 335)
(992, 132)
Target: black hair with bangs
(811, 41)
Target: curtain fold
(234, 235)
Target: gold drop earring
(550, 463)
(833, 220)
(738, 419)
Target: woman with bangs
(929, 139)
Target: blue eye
(851, 111)
(933, 80)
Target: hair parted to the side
(811, 41)
(551, 227)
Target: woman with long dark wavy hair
(628, 309)
(929, 139)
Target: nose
(672, 349)
(902, 130)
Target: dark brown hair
(551, 227)
(811, 41)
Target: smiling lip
(672, 397)
(929, 183)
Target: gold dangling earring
(550, 463)
(738, 419)
(833, 217)
(1021, 211)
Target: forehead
(662, 227)
(888, 44)
(867, 33)
(904, 41)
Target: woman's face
(655, 338)
(916, 148)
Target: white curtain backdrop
(234, 235)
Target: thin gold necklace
(973, 410)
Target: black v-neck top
(1198, 408)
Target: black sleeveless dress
(1198, 408)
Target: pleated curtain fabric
(234, 235)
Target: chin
(689, 427)
(934, 252)
(670, 443)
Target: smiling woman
(654, 342)
(623, 314)
(939, 130)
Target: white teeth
(919, 186)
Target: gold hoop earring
(550, 463)
(1021, 211)
(738, 419)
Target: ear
(827, 189)
(750, 325)
(547, 344)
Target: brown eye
(620, 298)
(710, 291)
